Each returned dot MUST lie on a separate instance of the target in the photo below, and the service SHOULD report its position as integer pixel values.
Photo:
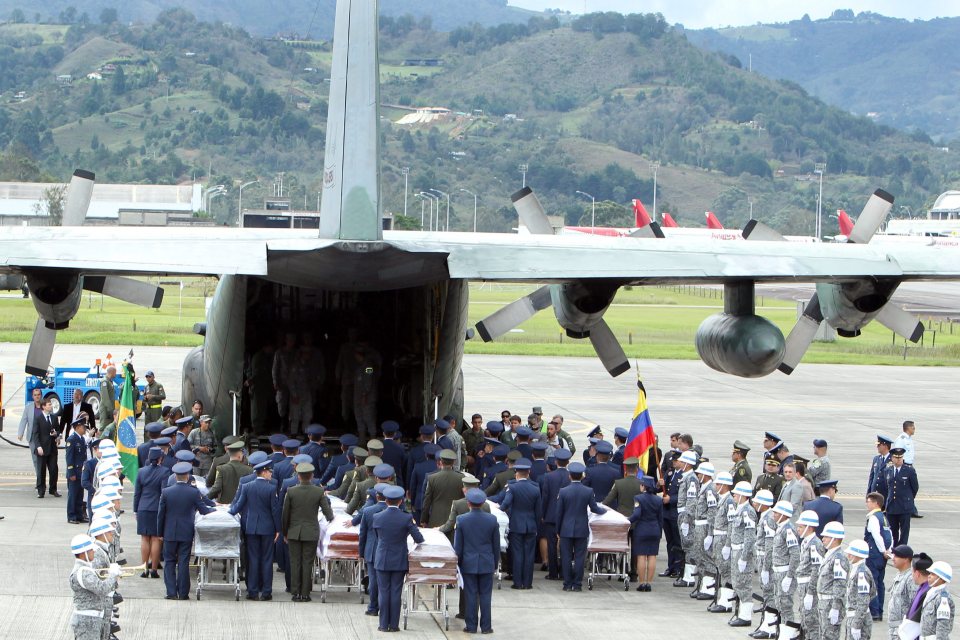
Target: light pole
(593, 211)
(820, 168)
(240, 199)
(211, 192)
(654, 166)
(423, 202)
(447, 195)
(474, 207)
(406, 176)
(523, 172)
(433, 198)
(751, 209)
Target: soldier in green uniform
(770, 479)
(624, 489)
(108, 398)
(153, 397)
(357, 474)
(228, 475)
(740, 471)
(443, 488)
(461, 506)
(298, 524)
(358, 490)
(221, 459)
(500, 480)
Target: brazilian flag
(126, 428)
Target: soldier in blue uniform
(604, 473)
(524, 506)
(294, 480)
(89, 474)
(573, 526)
(259, 498)
(416, 454)
(391, 528)
(523, 442)
(153, 431)
(538, 465)
(826, 506)
(477, 543)
(620, 442)
(880, 462)
(276, 447)
(175, 515)
(418, 477)
(285, 468)
(671, 526)
(393, 453)
(151, 480)
(367, 542)
(76, 455)
(316, 449)
(899, 486)
(168, 458)
(499, 455)
(550, 486)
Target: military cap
(430, 449)
(576, 467)
(446, 454)
(562, 454)
(372, 461)
(621, 433)
(514, 455)
(819, 443)
(184, 420)
(374, 445)
(390, 426)
(501, 451)
(495, 427)
(154, 453)
(902, 551)
(594, 440)
(301, 458)
(230, 440)
(899, 451)
(291, 444)
(393, 492)
(235, 446)
(922, 562)
(767, 435)
(797, 458)
(741, 447)
(383, 471)
(649, 482)
(358, 452)
(524, 432)
(185, 456)
(539, 446)
(428, 429)
(469, 478)
(828, 484)
(631, 462)
(96, 443)
(475, 496)
(78, 421)
(884, 440)
(266, 464)
(155, 427)
(522, 465)
(538, 411)
(604, 447)
(168, 431)
(775, 447)
(771, 460)
(204, 418)
(594, 432)
(441, 424)
(277, 439)
(305, 467)
(182, 467)
(380, 486)
(160, 442)
(257, 457)
(349, 440)
(316, 430)
(492, 441)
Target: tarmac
(847, 405)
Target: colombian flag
(640, 439)
(126, 428)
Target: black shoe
(122, 561)
(553, 578)
(114, 627)
(73, 522)
(640, 587)
(543, 567)
(466, 630)
(306, 599)
(183, 597)
(877, 618)
(486, 631)
(916, 515)
(666, 573)
(169, 597)
(266, 597)
(296, 597)
(145, 574)
(566, 588)
(576, 588)
(739, 622)
(39, 495)
(383, 629)
(371, 613)
(56, 494)
(80, 520)
(117, 598)
(515, 586)
(252, 596)
(154, 574)
(459, 616)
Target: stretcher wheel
(198, 594)
(626, 585)
(404, 622)
(323, 597)
(446, 622)
(237, 595)
(590, 584)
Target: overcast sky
(717, 13)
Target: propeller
(41, 349)
(608, 348)
(894, 318)
(514, 314)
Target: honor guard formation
(506, 497)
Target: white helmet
(689, 457)
(707, 469)
(809, 518)
(942, 570)
(784, 508)
(723, 478)
(743, 489)
(764, 497)
(834, 530)
(859, 549)
(81, 543)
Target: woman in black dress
(647, 521)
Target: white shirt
(905, 442)
(873, 529)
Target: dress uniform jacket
(550, 486)
(936, 619)
(601, 477)
(741, 472)
(828, 510)
(143, 452)
(391, 527)
(367, 541)
(217, 461)
(298, 520)
(880, 462)
(771, 481)
(359, 493)
(262, 506)
(477, 542)
(283, 470)
(288, 484)
(491, 472)
(621, 494)
(228, 480)
(151, 481)
(318, 456)
(899, 488)
(395, 456)
(331, 471)
(76, 455)
(443, 487)
(499, 483)
(457, 509)
(175, 515)
(538, 468)
(647, 517)
(341, 473)
(418, 481)
(572, 504)
(524, 506)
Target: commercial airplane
(406, 292)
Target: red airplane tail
(712, 221)
(668, 220)
(846, 224)
(640, 215)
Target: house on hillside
(95, 75)
(65, 80)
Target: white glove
(725, 553)
(685, 529)
(113, 570)
(808, 601)
(834, 616)
(785, 583)
(764, 577)
(707, 542)
(741, 565)
(855, 633)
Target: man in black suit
(43, 440)
(73, 410)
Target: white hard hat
(104, 513)
(707, 469)
(809, 518)
(104, 470)
(689, 457)
(723, 478)
(105, 444)
(783, 508)
(764, 497)
(108, 493)
(942, 570)
(743, 489)
(859, 549)
(81, 543)
(101, 502)
(834, 530)
(100, 527)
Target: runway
(921, 298)
(847, 405)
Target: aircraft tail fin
(846, 224)
(350, 208)
(668, 220)
(712, 221)
(640, 215)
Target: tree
(17, 16)
(108, 16)
(51, 204)
(119, 84)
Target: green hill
(901, 72)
